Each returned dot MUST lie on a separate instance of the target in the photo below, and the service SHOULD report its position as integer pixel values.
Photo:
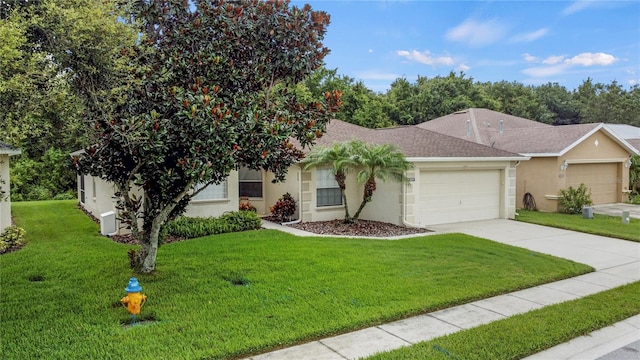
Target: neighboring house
(5, 206)
(453, 180)
(628, 132)
(561, 156)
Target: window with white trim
(250, 182)
(212, 192)
(82, 189)
(327, 189)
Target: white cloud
(370, 51)
(577, 6)
(559, 64)
(375, 75)
(463, 67)
(546, 71)
(425, 57)
(590, 59)
(551, 60)
(530, 58)
(476, 33)
(528, 37)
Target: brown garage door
(601, 179)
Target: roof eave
(468, 159)
(608, 132)
(10, 152)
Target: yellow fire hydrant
(134, 300)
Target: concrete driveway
(597, 251)
(617, 209)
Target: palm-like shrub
(382, 162)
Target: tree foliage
(208, 89)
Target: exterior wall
(386, 205)
(539, 176)
(209, 208)
(543, 176)
(99, 199)
(5, 206)
(273, 191)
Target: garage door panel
(601, 179)
(455, 196)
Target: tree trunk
(149, 243)
(367, 196)
(148, 254)
(340, 179)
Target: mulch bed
(361, 228)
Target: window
(82, 189)
(212, 192)
(250, 182)
(327, 189)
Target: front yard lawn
(232, 295)
(604, 225)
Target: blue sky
(532, 42)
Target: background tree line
(42, 113)
(407, 103)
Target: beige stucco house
(5, 200)
(453, 180)
(561, 156)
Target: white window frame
(253, 179)
(213, 192)
(325, 180)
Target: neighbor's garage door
(601, 179)
(455, 196)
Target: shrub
(284, 208)
(11, 238)
(246, 206)
(573, 200)
(192, 227)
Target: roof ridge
(474, 125)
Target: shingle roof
(512, 133)
(6, 149)
(414, 142)
(548, 140)
(624, 131)
(478, 124)
(635, 143)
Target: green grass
(604, 225)
(296, 289)
(526, 334)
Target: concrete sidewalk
(617, 262)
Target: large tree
(211, 87)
